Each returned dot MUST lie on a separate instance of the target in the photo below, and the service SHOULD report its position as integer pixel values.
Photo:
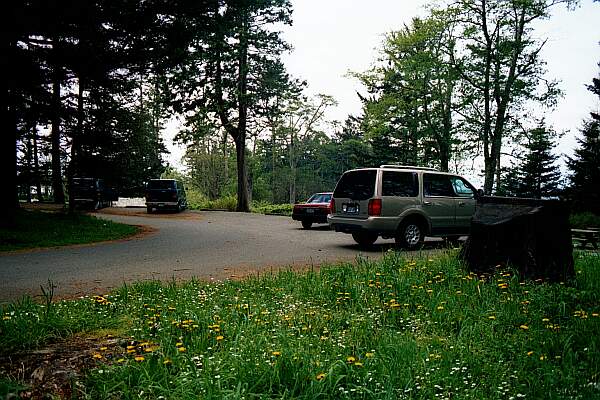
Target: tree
(584, 187)
(408, 114)
(537, 175)
(498, 59)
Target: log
(530, 235)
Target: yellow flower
(139, 358)
(492, 317)
(524, 327)
(542, 357)
(167, 361)
(276, 353)
(545, 319)
(320, 376)
(103, 348)
(440, 307)
(97, 356)
(358, 364)
(219, 338)
(350, 359)
(529, 353)
(121, 360)
(182, 349)
(178, 344)
(370, 355)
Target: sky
(332, 37)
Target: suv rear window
(356, 185)
(161, 185)
(401, 184)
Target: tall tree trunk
(29, 157)
(57, 184)
(243, 203)
(75, 141)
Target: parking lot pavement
(205, 245)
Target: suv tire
(410, 235)
(306, 224)
(364, 239)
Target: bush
(267, 208)
(584, 220)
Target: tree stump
(531, 235)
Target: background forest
(91, 86)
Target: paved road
(208, 245)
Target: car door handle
(427, 203)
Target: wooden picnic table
(586, 236)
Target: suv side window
(461, 188)
(437, 185)
(401, 184)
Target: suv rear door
(396, 185)
(353, 192)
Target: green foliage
(40, 229)
(585, 220)
(394, 328)
(266, 208)
(584, 187)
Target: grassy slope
(393, 329)
(44, 229)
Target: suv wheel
(410, 235)
(364, 238)
(306, 224)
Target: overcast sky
(332, 37)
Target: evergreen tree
(584, 187)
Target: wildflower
(182, 349)
(97, 356)
(492, 317)
(542, 357)
(320, 376)
(595, 314)
(120, 360)
(167, 361)
(139, 358)
(6, 318)
(103, 348)
(529, 353)
(276, 353)
(178, 344)
(370, 355)
(358, 364)
(219, 338)
(524, 327)
(440, 308)
(350, 359)
(545, 319)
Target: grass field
(399, 328)
(47, 229)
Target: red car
(315, 210)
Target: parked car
(313, 211)
(91, 193)
(165, 194)
(402, 202)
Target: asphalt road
(206, 245)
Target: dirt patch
(141, 212)
(59, 369)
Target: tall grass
(392, 329)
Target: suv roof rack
(407, 167)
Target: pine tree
(584, 187)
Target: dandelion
(97, 356)
(492, 317)
(524, 327)
(358, 364)
(440, 308)
(545, 319)
(167, 361)
(320, 376)
(182, 349)
(542, 357)
(276, 353)
(219, 338)
(350, 359)
(120, 361)
(139, 358)
(370, 355)
(529, 353)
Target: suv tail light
(332, 206)
(375, 207)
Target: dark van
(91, 193)
(165, 194)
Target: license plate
(350, 208)
(310, 211)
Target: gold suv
(402, 202)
